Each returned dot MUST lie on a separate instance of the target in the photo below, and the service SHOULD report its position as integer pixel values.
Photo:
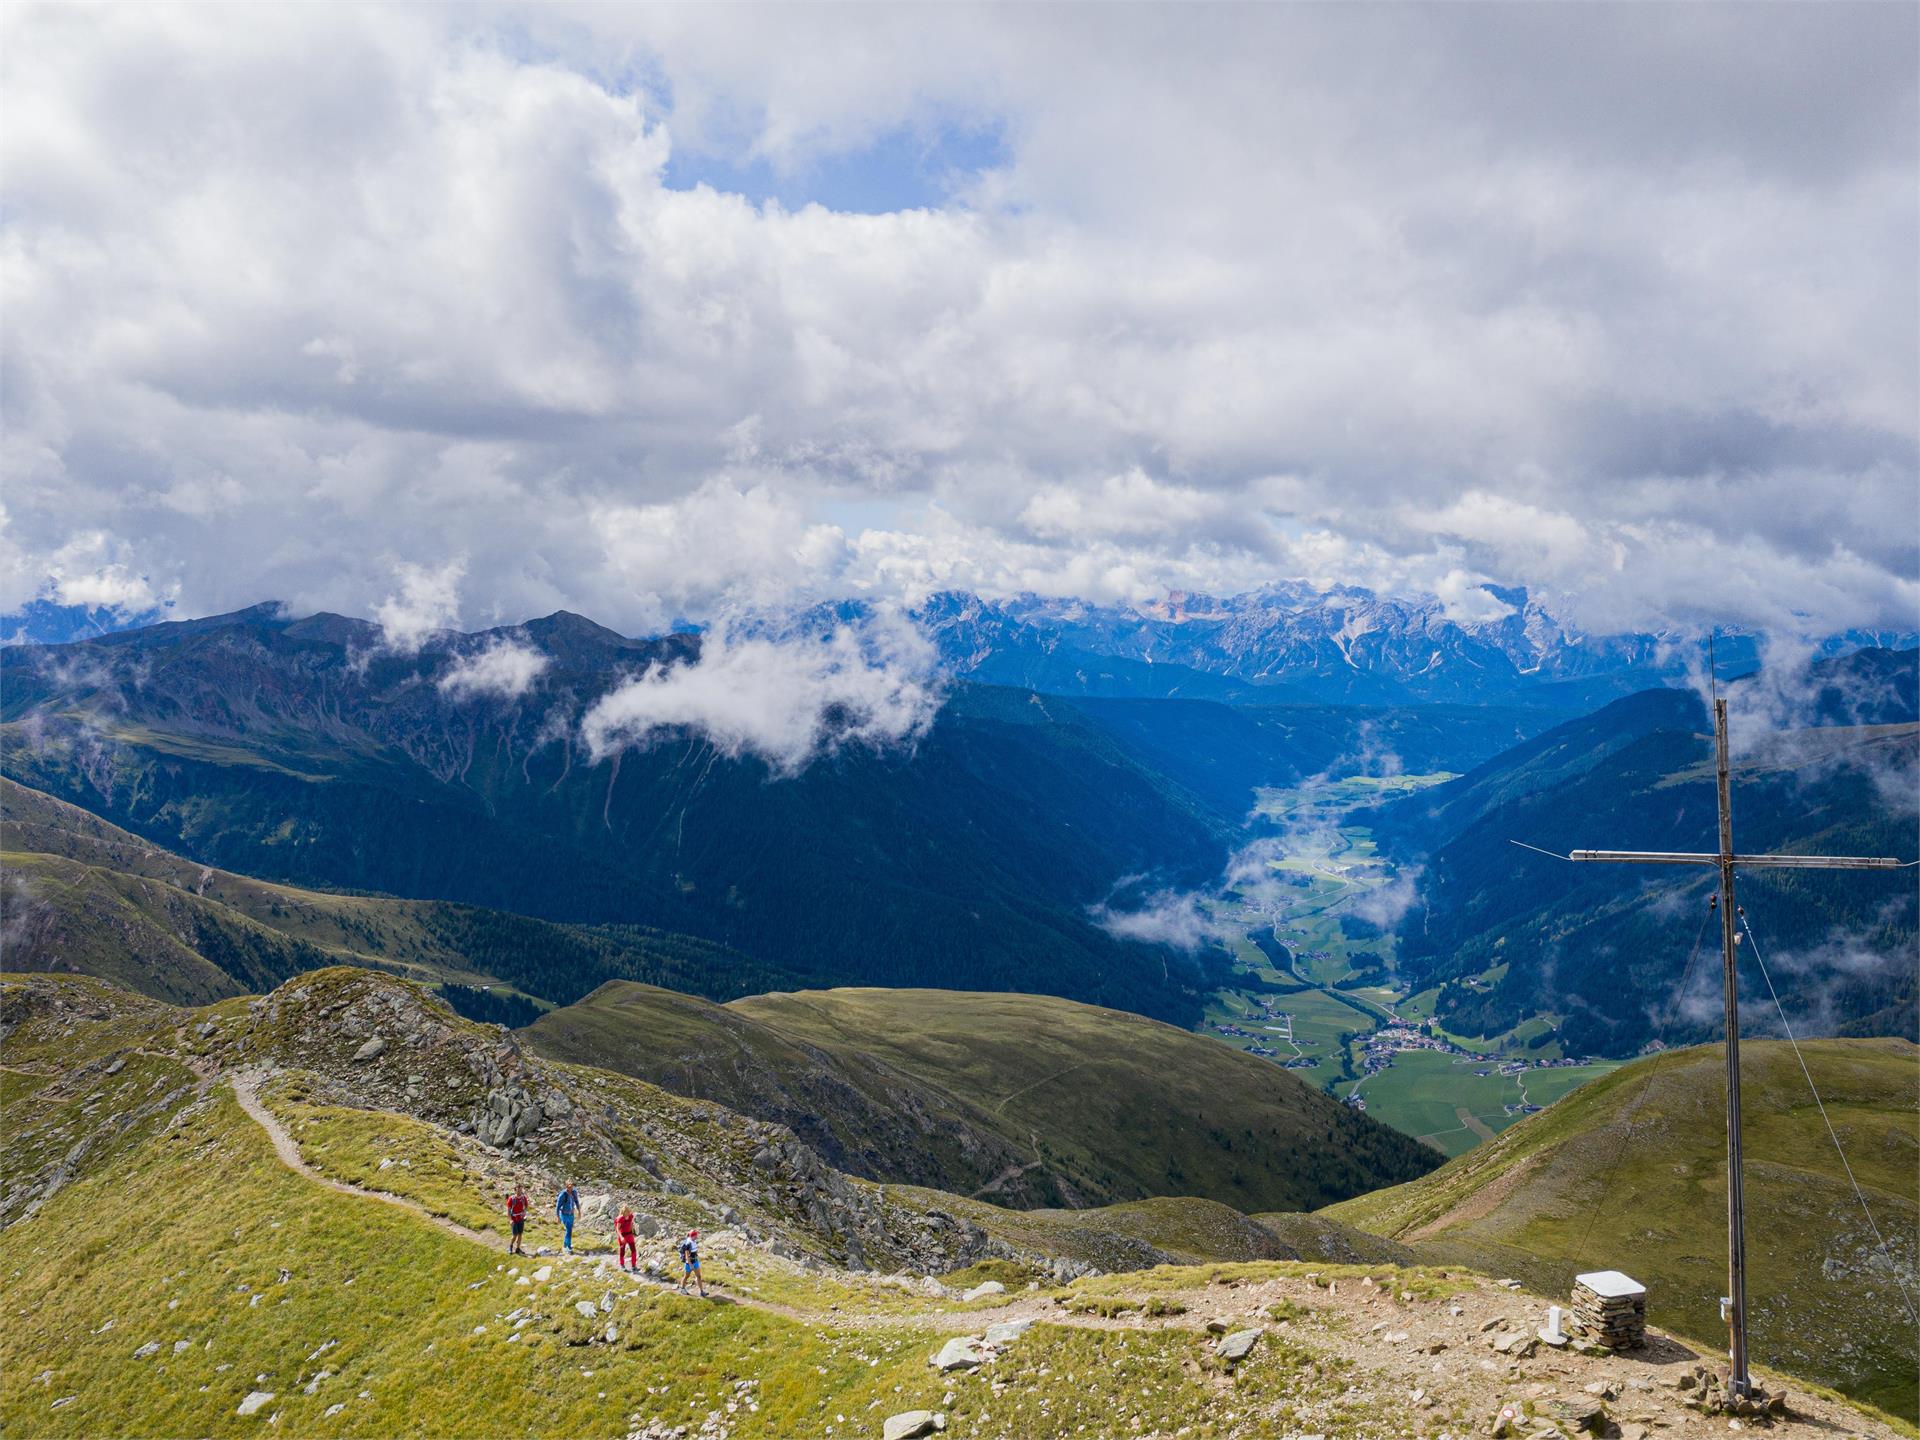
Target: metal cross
(1739, 1382)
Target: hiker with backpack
(566, 1207)
(517, 1213)
(690, 1263)
(629, 1246)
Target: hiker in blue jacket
(566, 1207)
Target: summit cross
(1739, 1381)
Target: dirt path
(1473, 1122)
(1001, 1108)
(1005, 1178)
(245, 1090)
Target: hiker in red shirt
(628, 1245)
(517, 1213)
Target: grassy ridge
(360, 1272)
(1026, 1100)
(1629, 1172)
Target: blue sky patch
(908, 168)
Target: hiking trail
(246, 1092)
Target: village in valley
(1316, 990)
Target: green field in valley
(1455, 1103)
(1341, 987)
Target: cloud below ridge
(785, 699)
(506, 669)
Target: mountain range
(1288, 641)
(1342, 644)
(299, 751)
(992, 851)
(1026, 1100)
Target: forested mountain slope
(86, 897)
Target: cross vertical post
(1726, 860)
(1736, 1185)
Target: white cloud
(428, 601)
(1623, 315)
(718, 548)
(785, 699)
(1133, 505)
(1466, 600)
(505, 668)
(1165, 917)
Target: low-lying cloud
(505, 669)
(785, 699)
(1166, 917)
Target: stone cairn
(1610, 1309)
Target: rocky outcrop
(375, 1042)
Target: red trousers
(627, 1247)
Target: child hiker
(690, 1263)
(517, 1213)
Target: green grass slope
(170, 1274)
(86, 897)
(1629, 1173)
(1026, 1100)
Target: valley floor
(1303, 1004)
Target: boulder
(961, 1353)
(152, 1347)
(587, 1309)
(1237, 1346)
(372, 1050)
(1007, 1331)
(984, 1289)
(911, 1424)
(255, 1399)
(1583, 1413)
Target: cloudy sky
(482, 312)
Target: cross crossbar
(1775, 862)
